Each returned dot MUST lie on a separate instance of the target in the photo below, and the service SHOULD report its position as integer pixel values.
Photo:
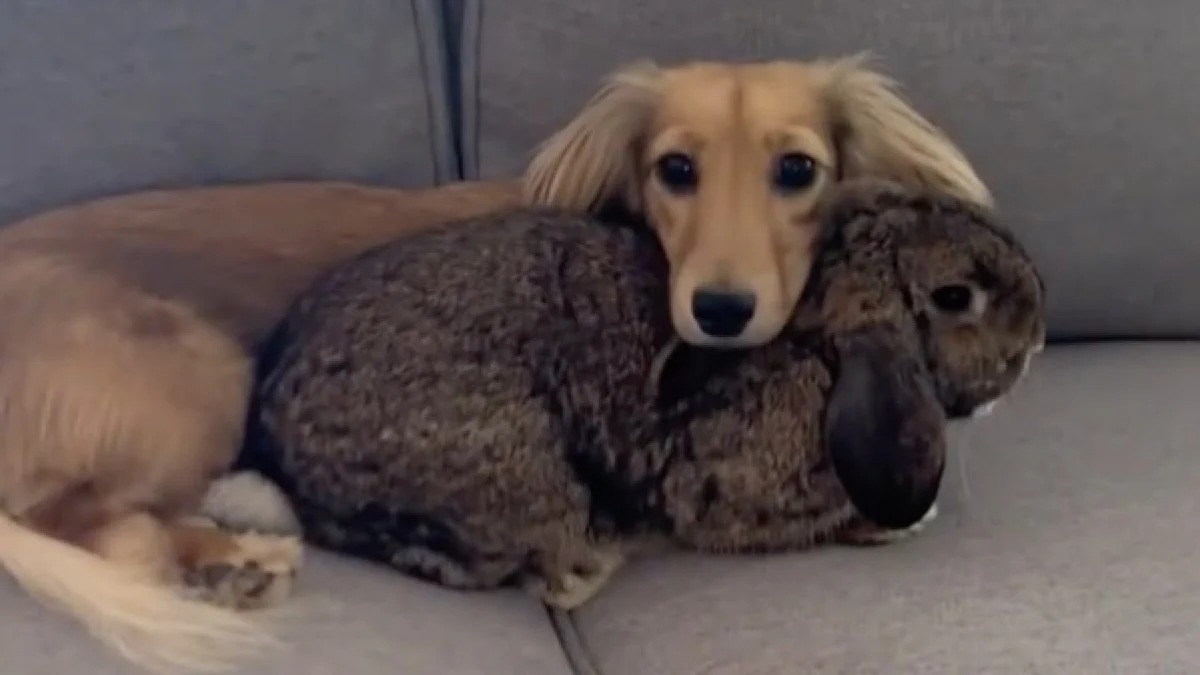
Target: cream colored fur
(142, 619)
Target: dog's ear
(594, 158)
(884, 428)
(877, 133)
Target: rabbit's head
(970, 291)
(933, 311)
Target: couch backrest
(107, 96)
(1083, 116)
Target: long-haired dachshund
(128, 325)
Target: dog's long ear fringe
(879, 134)
(593, 159)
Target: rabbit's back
(432, 388)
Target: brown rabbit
(506, 404)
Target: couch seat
(348, 618)
(1068, 544)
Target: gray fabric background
(108, 96)
(1083, 116)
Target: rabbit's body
(482, 405)
(445, 417)
(473, 406)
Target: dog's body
(128, 325)
(234, 255)
(125, 348)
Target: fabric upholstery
(1066, 541)
(1069, 550)
(352, 618)
(1080, 115)
(109, 96)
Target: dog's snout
(722, 313)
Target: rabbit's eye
(953, 298)
(677, 172)
(794, 172)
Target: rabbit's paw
(859, 533)
(255, 571)
(574, 587)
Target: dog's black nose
(722, 314)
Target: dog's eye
(677, 172)
(953, 298)
(794, 172)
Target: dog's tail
(148, 623)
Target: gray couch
(1069, 540)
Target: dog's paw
(864, 534)
(258, 573)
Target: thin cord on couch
(578, 657)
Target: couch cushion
(1076, 113)
(351, 618)
(109, 96)
(1073, 552)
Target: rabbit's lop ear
(884, 429)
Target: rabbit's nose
(722, 313)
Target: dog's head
(729, 163)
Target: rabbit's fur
(481, 405)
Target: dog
(128, 325)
